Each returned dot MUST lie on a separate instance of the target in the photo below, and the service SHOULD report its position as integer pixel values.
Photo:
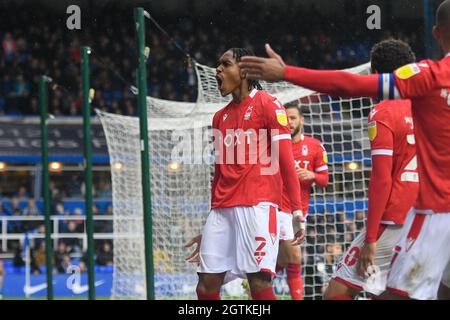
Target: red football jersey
(309, 154)
(399, 142)
(244, 175)
(427, 84)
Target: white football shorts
(240, 240)
(346, 271)
(421, 257)
(286, 227)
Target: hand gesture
(269, 69)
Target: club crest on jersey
(372, 130)
(407, 71)
(281, 117)
(304, 150)
(248, 113)
(225, 116)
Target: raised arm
(408, 82)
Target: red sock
(278, 269)
(264, 294)
(208, 296)
(295, 281)
(341, 298)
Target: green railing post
(43, 107)
(85, 51)
(145, 161)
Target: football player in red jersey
(253, 157)
(393, 186)
(423, 245)
(311, 163)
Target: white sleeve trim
(386, 86)
(382, 152)
(397, 95)
(322, 168)
(281, 137)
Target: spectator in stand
(9, 47)
(79, 222)
(60, 211)
(31, 210)
(72, 242)
(105, 255)
(39, 255)
(60, 257)
(16, 226)
(22, 193)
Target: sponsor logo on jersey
(372, 130)
(407, 71)
(281, 117)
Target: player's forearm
(321, 178)
(334, 82)
(379, 191)
(289, 175)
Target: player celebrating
(311, 164)
(392, 190)
(421, 261)
(240, 237)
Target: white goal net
(181, 170)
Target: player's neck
(297, 137)
(240, 93)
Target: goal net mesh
(181, 171)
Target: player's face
(228, 74)
(295, 121)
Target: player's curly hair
(388, 55)
(238, 53)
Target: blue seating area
(69, 205)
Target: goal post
(181, 171)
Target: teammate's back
(400, 143)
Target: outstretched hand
(269, 69)
(194, 257)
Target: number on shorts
(259, 252)
(352, 256)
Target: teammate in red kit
(311, 164)
(253, 157)
(393, 187)
(421, 262)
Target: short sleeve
(276, 119)
(381, 139)
(321, 159)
